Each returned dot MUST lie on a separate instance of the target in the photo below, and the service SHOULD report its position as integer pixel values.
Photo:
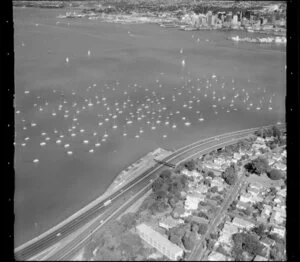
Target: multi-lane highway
(28, 250)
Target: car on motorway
(58, 234)
(101, 221)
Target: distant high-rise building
(235, 19)
(209, 18)
(228, 18)
(213, 20)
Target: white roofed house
(271, 161)
(260, 140)
(201, 189)
(280, 166)
(247, 198)
(158, 241)
(237, 156)
(193, 173)
(267, 210)
(192, 201)
(169, 222)
(278, 230)
(216, 256)
(282, 192)
(219, 182)
(241, 223)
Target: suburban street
(198, 251)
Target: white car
(58, 234)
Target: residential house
(242, 205)
(253, 191)
(218, 182)
(247, 198)
(278, 230)
(262, 219)
(199, 220)
(178, 211)
(237, 156)
(277, 157)
(216, 256)
(271, 161)
(268, 199)
(281, 210)
(280, 166)
(268, 242)
(277, 218)
(192, 201)
(279, 199)
(201, 189)
(229, 228)
(260, 140)
(260, 258)
(169, 222)
(193, 173)
(158, 241)
(267, 210)
(282, 192)
(219, 161)
(283, 153)
(241, 223)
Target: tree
(166, 175)
(276, 132)
(195, 227)
(128, 220)
(184, 180)
(257, 166)
(172, 202)
(259, 230)
(259, 132)
(189, 241)
(247, 242)
(158, 185)
(211, 174)
(229, 175)
(214, 189)
(175, 239)
(202, 228)
(206, 181)
(161, 194)
(273, 191)
(190, 165)
(177, 231)
(275, 174)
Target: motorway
(101, 212)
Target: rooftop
(159, 238)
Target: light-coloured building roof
(230, 228)
(169, 222)
(242, 223)
(260, 258)
(159, 238)
(216, 256)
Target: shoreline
(122, 178)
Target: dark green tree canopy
(257, 166)
(275, 174)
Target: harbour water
(93, 97)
